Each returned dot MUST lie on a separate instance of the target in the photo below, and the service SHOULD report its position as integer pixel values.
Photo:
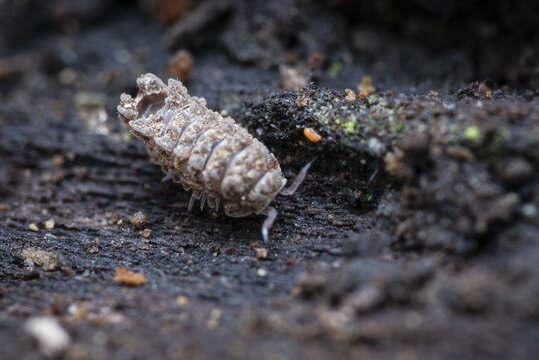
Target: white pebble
(261, 272)
(376, 146)
(52, 338)
(529, 211)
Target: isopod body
(207, 153)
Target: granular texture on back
(207, 153)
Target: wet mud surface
(414, 235)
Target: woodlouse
(207, 153)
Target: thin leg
(297, 181)
(202, 202)
(268, 223)
(191, 202)
(371, 178)
(166, 178)
(217, 203)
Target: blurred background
(325, 40)
(413, 236)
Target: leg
(297, 181)
(371, 178)
(268, 223)
(202, 202)
(191, 202)
(166, 178)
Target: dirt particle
(146, 233)
(51, 337)
(90, 100)
(261, 272)
(182, 300)
(47, 260)
(58, 160)
(363, 95)
(315, 61)
(459, 152)
(33, 227)
(350, 95)
(312, 135)
(376, 146)
(261, 253)
(49, 224)
(213, 322)
(114, 220)
(292, 78)
(365, 86)
(68, 76)
(181, 65)
(4, 207)
(138, 219)
(144, 247)
(529, 211)
(120, 243)
(395, 165)
(291, 262)
(128, 277)
(92, 250)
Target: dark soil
(414, 235)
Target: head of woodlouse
(149, 84)
(150, 98)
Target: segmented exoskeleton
(207, 153)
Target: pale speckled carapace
(207, 153)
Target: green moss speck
(472, 133)
(335, 69)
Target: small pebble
(350, 95)
(51, 337)
(146, 233)
(261, 272)
(291, 78)
(261, 253)
(33, 227)
(47, 260)
(366, 85)
(49, 224)
(138, 219)
(182, 300)
(128, 277)
(90, 100)
(213, 322)
(92, 250)
(376, 146)
(312, 135)
(529, 211)
(181, 65)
